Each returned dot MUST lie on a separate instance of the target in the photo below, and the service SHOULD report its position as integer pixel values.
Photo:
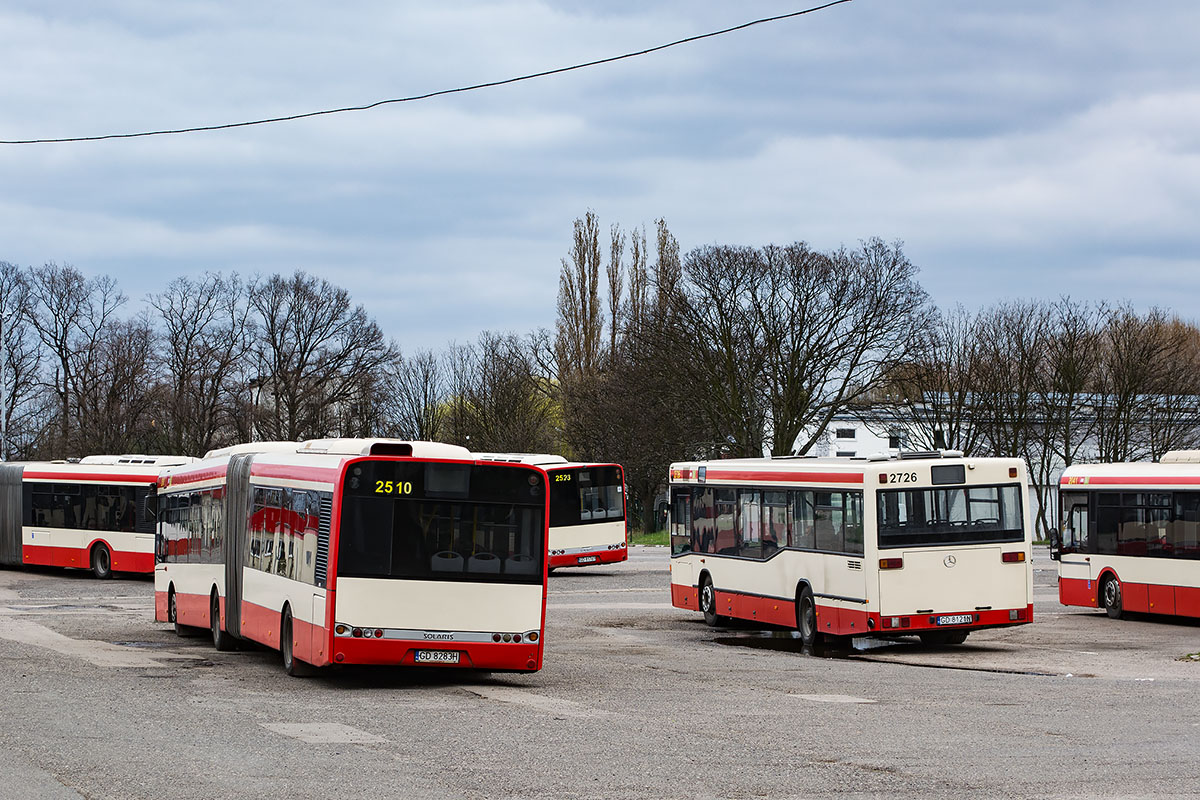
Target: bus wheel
(101, 561)
(1110, 596)
(708, 602)
(291, 665)
(173, 616)
(222, 640)
(939, 638)
(806, 618)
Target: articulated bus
(357, 551)
(931, 544)
(94, 514)
(587, 509)
(1130, 536)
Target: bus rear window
(962, 515)
(437, 521)
(583, 495)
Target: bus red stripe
(88, 477)
(1140, 480)
(789, 477)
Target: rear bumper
(586, 558)
(505, 656)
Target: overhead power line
(428, 95)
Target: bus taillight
(1013, 558)
(891, 563)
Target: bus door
(680, 526)
(1074, 536)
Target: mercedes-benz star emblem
(949, 561)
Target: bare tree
(114, 390)
(773, 342)
(207, 333)
(933, 392)
(1146, 391)
(580, 323)
(70, 314)
(19, 373)
(616, 286)
(418, 388)
(500, 406)
(315, 353)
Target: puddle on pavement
(789, 642)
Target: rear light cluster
(1016, 614)
(620, 546)
(532, 636)
(896, 622)
(891, 563)
(358, 633)
(1013, 558)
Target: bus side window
(803, 520)
(775, 521)
(1186, 540)
(681, 522)
(703, 529)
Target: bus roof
(1140, 474)
(827, 470)
(139, 460)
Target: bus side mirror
(151, 507)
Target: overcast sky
(1019, 149)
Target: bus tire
(173, 616)
(291, 665)
(1110, 596)
(806, 618)
(222, 640)
(942, 638)
(708, 602)
(102, 561)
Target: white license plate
(588, 559)
(955, 619)
(437, 657)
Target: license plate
(437, 657)
(588, 559)
(955, 619)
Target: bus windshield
(583, 495)
(958, 515)
(442, 521)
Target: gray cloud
(1019, 149)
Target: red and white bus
(587, 509)
(932, 544)
(90, 514)
(356, 551)
(1130, 536)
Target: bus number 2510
(393, 487)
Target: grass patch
(654, 538)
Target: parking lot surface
(636, 698)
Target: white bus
(587, 509)
(96, 513)
(357, 551)
(1130, 536)
(932, 544)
